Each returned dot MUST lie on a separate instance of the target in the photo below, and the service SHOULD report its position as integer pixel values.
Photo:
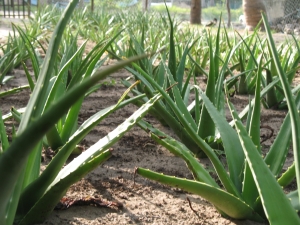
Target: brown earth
(146, 202)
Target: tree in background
(228, 12)
(252, 12)
(146, 5)
(195, 14)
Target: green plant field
(65, 56)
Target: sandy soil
(146, 202)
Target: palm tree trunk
(228, 12)
(252, 11)
(195, 14)
(146, 5)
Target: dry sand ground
(146, 202)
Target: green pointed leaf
(277, 210)
(232, 147)
(295, 119)
(227, 203)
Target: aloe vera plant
(13, 54)
(252, 185)
(25, 193)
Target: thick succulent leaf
(15, 159)
(179, 101)
(179, 149)
(181, 68)
(69, 126)
(277, 210)
(293, 196)
(36, 189)
(32, 54)
(295, 119)
(151, 85)
(12, 161)
(245, 111)
(46, 204)
(190, 132)
(277, 155)
(288, 176)
(86, 157)
(172, 54)
(206, 126)
(3, 136)
(232, 147)
(13, 91)
(114, 136)
(227, 203)
(250, 193)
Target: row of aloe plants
(50, 119)
(151, 31)
(252, 186)
(197, 124)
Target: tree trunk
(228, 12)
(195, 14)
(146, 5)
(252, 11)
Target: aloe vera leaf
(295, 63)
(28, 76)
(186, 83)
(242, 84)
(160, 77)
(17, 180)
(217, 50)
(206, 126)
(39, 212)
(16, 114)
(271, 95)
(13, 160)
(293, 196)
(13, 91)
(172, 54)
(70, 122)
(254, 130)
(220, 80)
(197, 106)
(285, 58)
(179, 101)
(31, 52)
(197, 65)
(250, 192)
(190, 133)
(161, 108)
(205, 59)
(277, 154)
(288, 176)
(277, 210)
(87, 61)
(181, 68)
(227, 203)
(295, 119)
(143, 98)
(232, 147)
(36, 189)
(3, 136)
(32, 169)
(69, 126)
(244, 112)
(60, 80)
(36, 104)
(179, 149)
